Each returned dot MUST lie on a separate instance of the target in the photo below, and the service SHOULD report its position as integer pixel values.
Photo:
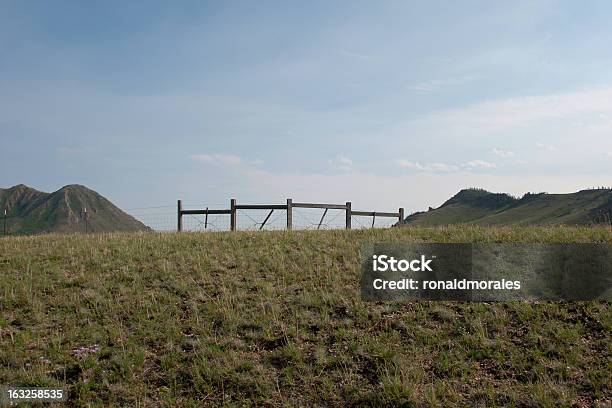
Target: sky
(386, 104)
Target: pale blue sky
(385, 104)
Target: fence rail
(288, 207)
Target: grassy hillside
(275, 318)
(481, 207)
(33, 212)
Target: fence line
(288, 207)
(247, 216)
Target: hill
(475, 206)
(275, 319)
(30, 211)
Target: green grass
(275, 318)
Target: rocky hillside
(30, 211)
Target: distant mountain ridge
(30, 211)
(481, 207)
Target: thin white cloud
(478, 164)
(428, 167)
(354, 54)
(257, 162)
(546, 119)
(444, 167)
(341, 162)
(217, 159)
(547, 147)
(520, 112)
(437, 84)
(506, 154)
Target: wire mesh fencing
(159, 218)
(270, 220)
(366, 221)
(317, 218)
(256, 220)
(202, 223)
(292, 215)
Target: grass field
(275, 318)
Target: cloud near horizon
(218, 159)
(445, 168)
(341, 163)
(503, 153)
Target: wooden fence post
(401, 216)
(179, 216)
(348, 215)
(233, 214)
(289, 213)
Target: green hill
(30, 211)
(475, 206)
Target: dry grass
(275, 318)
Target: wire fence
(253, 220)
(292, 215)
(163, 218)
